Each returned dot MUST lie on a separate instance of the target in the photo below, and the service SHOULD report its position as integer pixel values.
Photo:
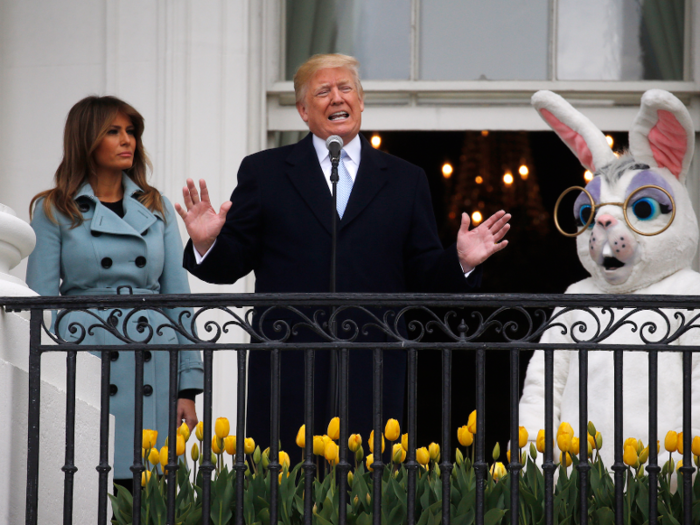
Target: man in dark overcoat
(278, 225)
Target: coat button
(147, 390)
(114, 355)
(113, 390)
(106, 262)
(95, 234)
(84, 206)
(140, 261)
(147, 356)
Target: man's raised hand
(201, 220)
(477, 245)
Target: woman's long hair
(87, 124)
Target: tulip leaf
(494, 516)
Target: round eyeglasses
(648, 210)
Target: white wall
(192, 68)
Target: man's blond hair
(317, 62)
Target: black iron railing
(479, 323)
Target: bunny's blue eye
(584, 214)
(646, 209)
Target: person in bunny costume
(637, 233)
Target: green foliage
(394, 490)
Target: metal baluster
(687, 469)
(137, 467)
(583, 466)
(548, 463)
(309, 465)
(480, 465)
(172, 437)
(69, 467)
(515, 459)
(240, 437)
(274, 465)
(33, 417)
(653, 468)
(207, 466)
(618, 466)
(411, 463)
(446, 463)
(378, 466)
(343, 466)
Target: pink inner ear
(571, 138)
(668, 142)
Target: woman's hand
(201, 220)
(186, 412)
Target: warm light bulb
(477, 217)
(508, 178)
(376, 141)
(447, 170)
(524, 172)
(479, 179)
(610, 140)
(587, 176)
(485, 133)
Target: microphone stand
(333, 375)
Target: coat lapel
(305, 173)
(371, 177)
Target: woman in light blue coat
(102, 230)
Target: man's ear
(302, 111)
(362, 104)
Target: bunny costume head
(642, 191)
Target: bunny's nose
(606, 221)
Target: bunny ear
(580, 134)
(662, 134)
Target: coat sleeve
(173, 280)
(237, 247)
(44, 264)
(430, 267)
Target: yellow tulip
(564, 436)
(199, 431)
(249, 445)
(404, 441)
(568, 458)
(671, 441)
(498, 470)
(180, 445)
(630, 442)
(334, 429)
(464, 437)
(598, 440)
(644, 455)
(230, 445)
(150, 437)
(695, 446)
(301, 437)
(319, 445)
(591, 441)
(471, 422)
(434, 451)
(163, 457)
(194, 453)
(508, 455)
(222, 427)
(630, 456)
(154, 457)
(574, 448)
(184, 430)
(371, 442)
(354, 442)
(398, 454)
(392, 430)
(422, 456)
(279, 478)
(522, 437)
(680, 443)
(283, 459)
(217, 445)
(680, 464)
(540, 441)
(331, 453)
(145, 477)
(368, 462)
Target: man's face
(332, 105)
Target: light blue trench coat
(144, 251)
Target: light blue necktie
(344, 185)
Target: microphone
(334, 144)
